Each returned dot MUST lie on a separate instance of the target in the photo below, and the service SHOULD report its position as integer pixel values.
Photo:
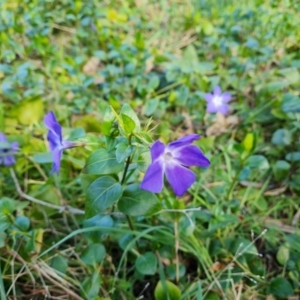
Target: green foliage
(118, 76)
(167, 290)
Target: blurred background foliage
(161, 57)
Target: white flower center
(217, 100)
(168, 156)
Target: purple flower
(56, 142)
(6, 151)
(173, 160)
(217, 102)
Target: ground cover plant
(149, 149)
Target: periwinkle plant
(114, 172)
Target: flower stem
(128, 161)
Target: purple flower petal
(226, 97)
(157, 150)
(211, 108)
(217, 91)
(52, 124)
(3, 138)
(208, 97)
(154, 178)
(9, 160)
(14, 146)
(56, 155)
(179, 177)
(54, 140)
(223, 109)
(50, 119)
(191, 155)
(186, 140)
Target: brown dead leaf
(91, 66)
(221, 125)
(218, 266)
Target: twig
(56, 283)
(37, 201)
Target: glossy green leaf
(129, 112)
(283, 254)
(293, 156)
(22, 222)
(282, 137)
(60, 264)
(101, 194)
(151, 106)
(290, 103)
(147, 263)
(172, 291)
(137, 202)
(128, 123)
(101, 162)
(280, 287)
(257, 162)
(94, 253)
(123, 151)
(91, 286)
(108, 119)
(281, 169)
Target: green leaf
(290, 103)
(43, 158)
(293, 156)
(282, 137)
(150, 106)
(137, 202)
(171, 271)
(91, 286)
(101, 221)
(101, 194)
(94, 253)
(280, 287)
(257, 162)
(108, 120)
(291, 74)
(101, 162)
(123, 151)
(281, 169)
(128, 123)
(172, 291)
(129, 112)
(7, 205)
(283, 254)
(22, 222)
(146, 264)
(249, 142)
(77, 133)
(30, 111)
(60, 264)
(144, 161)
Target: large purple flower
(217, 101)
(172, 160)
(7, 150)
(56, 142)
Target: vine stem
(128, 161)
(40, 202)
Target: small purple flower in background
(56, 142)
(217, 101)
(7, 150)
(172, 160)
